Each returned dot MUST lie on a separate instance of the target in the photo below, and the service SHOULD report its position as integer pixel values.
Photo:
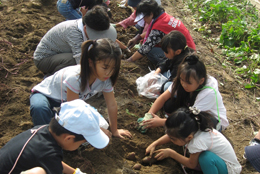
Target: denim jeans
(167, 85)
(210, 163)
(156, 55)
(67, 10)
(41, 108)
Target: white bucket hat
(79, 117)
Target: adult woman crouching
(161, 24)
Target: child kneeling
(208, 148)
(39, 150)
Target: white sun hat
(79, 117)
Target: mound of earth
(24, 22)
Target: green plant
(240, 35)
(127, 111)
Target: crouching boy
(39, 150)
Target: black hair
(93, 3)
(108, 10)
(149, 6)
(191, 66)
(56, 128)
(175, 40)
(183, 123)
(101, 50)
(97, 18)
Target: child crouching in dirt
(209, 149)
(175, 48)
(97, 72)
(39, 150)
(191, 87)
(130, 21)
(160, 24)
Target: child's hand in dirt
(163, 153)
(107, 132)
(121, 133)
(150, 149)
(153, 122)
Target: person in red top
(161, 24)
(130, 21)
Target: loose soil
(22, 25)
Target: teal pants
(210, 163)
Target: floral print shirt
(153, 39)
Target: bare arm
(112, 110)
(191, 162)
(67, 169)
(71, 95)
(156, 121)
(163, 140)
(158, 70)
(143, 34)
(121, 45)
(135, 57)
(112, 113)
(159, 102)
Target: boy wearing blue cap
(39, 150)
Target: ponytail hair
(184, 122)
(191, 66)
(100, 50)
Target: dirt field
(24, 22)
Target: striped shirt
(65, 37)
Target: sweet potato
(131, 156)
(149, 160)
(137, 166)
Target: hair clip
(194, 110)
(185, 47)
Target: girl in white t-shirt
(97, 72)
(191, 87)
(209, 150)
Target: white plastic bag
(150, 84)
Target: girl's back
(215, 142)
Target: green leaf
(248, 86)
(127, 111)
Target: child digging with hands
(208, 148)
(39, 150)
(191, 87)
(97, 72)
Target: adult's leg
(56, 62)
(41, 109)
(156, 55)
(210, 163)
(65, 8)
